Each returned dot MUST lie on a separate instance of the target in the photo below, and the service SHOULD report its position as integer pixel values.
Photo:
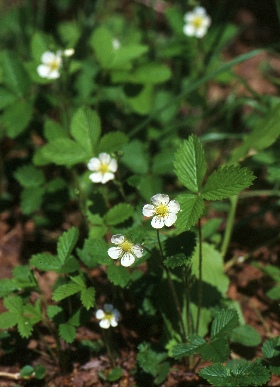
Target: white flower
(103, 168)
(108, 317)
(163, 211)
(69, 52)
(116, 44)
(51, 63)
(125, 250)
(197, 22)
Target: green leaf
(118, 214)
(97, 228)
(65, 291)
(152, 73)
(135, 157)
(225, 321)
(175, 261)
(271, 351)
(23, 277)
(244, 374)
(192, 207)
(14, 74)
(112, 142)
(274, 293)
(53, 130)
(69, 32)
(189, 348)
(7, 287)
(115, 374)
(67, 332)
(102, 44)
(95, 252)
(72, 152)
(39, 44)
(142, 103)
(118, 275)
(227, 181)
(26, 371)
(6, 98)
(40, 371)
(16, 117)
(149, 360)
(53, 310)
(86, 128)
(7, 320)
(88, 297)
(246, 335)
(29, 176)
(66, 243)
(125, 54)
(190, 164)
(31, 199)
(45, 262)
(216, 350)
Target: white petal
(48, 57)
(159, 199)
(106, 177)
(99, 314)
(199, 11)
(104, 158)
(116, 315)
(113, 322)
(201, 32)
(117, 239)
(137, 250)
(113, 165)
(127, 259)
(188, 30)
(96, 177)
(170, 219)
(94, 164)
(108, 308)
(69, 52)
(173, 206)
(105, 323)
(114, 252)
(157, 222)
(44, 71)
(187, 16)
(148, 210)
(54, 74)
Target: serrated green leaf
(23, 277)
(225, 321)
(274, 293)
(64, 151)
(271, 351)
(6, 98)
(45, 262)
(86, 128)
(94, 252)
(135, 157)
(88, 297)
(175, 261)
(14, 74)
(227, 181)
(192, 207)
(53, 130)
(112, 142)
(187, 349)
(66, 243)
(97, 228)
(7, 287)
(67, 332)
(16, 117)
(53, 310)
(7, 320)
(190, 164)
(246, 335)
(31, 199)
(29, 176)
(216, 350)
(118, 275)
(66, 290)
(149, 360)
(118, 214)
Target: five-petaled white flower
(103, 168)
(108, 317)
(125, 250)
(197, 22)
(51, 64)
(162, 210)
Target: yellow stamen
(162, 210)
(126, 246)
(54, 65)
(197, 21)
(104, 168)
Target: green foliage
(38, 372)
(246, 335)
(118, 214)
(118, 275)
(271, 352)
(29, 176)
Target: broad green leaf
(39, 44)
(265, 134)
(190, 164)
(86, 129)
(66, 290)
(31, 199)
(102, 44)
(53, 130)
(14, 74)
(69, 32)
(7, 320)
(29, 176)
(6, 98)
(66, 243)
(216, 350)
(45, 262)
(118, 275)
(227, 181)
(225, 321)
(125, 54)
(97, 228)
(88, 297)
(142, 103)
(94, 252)
(115, 374)
(135, 157)
(189, 348)
(67, 332)
(53, 310)
(118, 214)
(152, 73)
(192, 207)
(16, 117)
(39, 371)
(63, 151)
(7, 287)
(112, 142)
(274, 293)
(175, 261)
(23, 277)
(271, 351)
(243, 375)
(246, 335)
(26, 371)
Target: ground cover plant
(140, 172)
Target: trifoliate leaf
(118, 275)
(67, 332)
(150, 360)
(216, 350)
(190, 164)
(118, 214)
(29, 176)
(112, 142)
(23, 277)
(246, 335)
(227, 181)
(225, 321)
(192, 207)
(66, 243)
(189, 348)
(86, 129)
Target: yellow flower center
(108, 316)
(197, 21)
(54, 65)
(162, 210)
(104, 168)
(126, 246)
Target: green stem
(261, 192)
(229, 225)
(107, 341)
(188, 301)
(200, 285)
(172, 289)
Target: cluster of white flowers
(52, 62)
(109, 316)
(103, 167)
(197, 22)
